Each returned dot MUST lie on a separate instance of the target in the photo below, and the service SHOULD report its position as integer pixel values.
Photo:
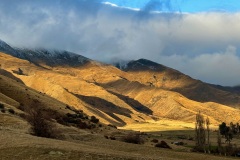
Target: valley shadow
(106, 107)
(119, 123)
(10, 75)
(133, 103)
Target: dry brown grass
(17, 145)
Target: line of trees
(202, 137)
(229, 131)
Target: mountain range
(139, 91)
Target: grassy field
(160, 125)
(17, 143)
(172, 132)
(28, 147)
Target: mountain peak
(50, 57)
(6, 48)
(144, 64)
(3, 45)
(53, 57)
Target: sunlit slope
(173, 105)
(113, 95)
(74, 87)
(156, 75)
(21, 99)
(18, 95)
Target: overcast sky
(199, 38)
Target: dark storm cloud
(196, 44)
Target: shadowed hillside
(156, 75)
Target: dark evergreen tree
(223, 128)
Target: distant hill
(157, 75)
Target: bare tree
(200, 132)
(40, 121)
(208, 132)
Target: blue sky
(190, 6)
(204, 43)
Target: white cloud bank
(203, 45)
(216, 68)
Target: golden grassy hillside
(20, 97)
(173, 105)
(115, 96)
(73, 90)
(153, 74)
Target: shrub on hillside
(11, 111)
(112, 138)
(40, 124)
(2, 106)
(83, 125)
(154, 141)
(133, 138)
(163, 144)
(105, 136)
(94, 119)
